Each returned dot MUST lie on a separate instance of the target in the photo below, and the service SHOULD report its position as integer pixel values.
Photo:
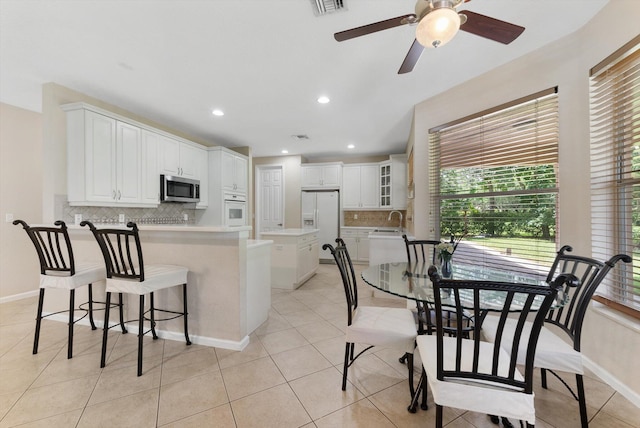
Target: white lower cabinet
(307, 260)
(294, 257)
(357, 242)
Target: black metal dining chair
(560, 338)
(371, 325)
(420, 254)
(127, 273)
(423, 252)
(474, 375)
(58, 269)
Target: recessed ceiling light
(323, 100)
(218, 112)
(285, 151)
(351, 146)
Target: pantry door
(270, 199)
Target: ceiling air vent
(322, 7)
(300, 137)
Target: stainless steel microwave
(179, 189)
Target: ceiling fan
(438, 21)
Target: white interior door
(271, 199)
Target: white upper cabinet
(91, 158)
(315, 176)
(178, 158)
(203, 173)
(104, 160)
(150, 170)
(393, 183)
(234, 172)
(128, 163)
(115, 161)
(360, 186)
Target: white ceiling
(264, 62)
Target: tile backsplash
(168, 213)
(372, 219)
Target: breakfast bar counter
(218, 258)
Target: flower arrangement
(446, 249)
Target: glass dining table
(411, 281)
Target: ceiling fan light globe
(438, 27)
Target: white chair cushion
(156, 277)
(86, 273)
(380, 326)
(472, 395)
(551, 352)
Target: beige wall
(20, 195)
(565, 64)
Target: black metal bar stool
(127, 273)
(58, 269)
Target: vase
(446, 270)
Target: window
(615, 173)
(495, 178)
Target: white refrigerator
(321, 210)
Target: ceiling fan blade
(490, 28)
(412, 58)
(372, 28)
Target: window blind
(615, 172)
(494, 181)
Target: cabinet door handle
(119, 195)
(113, 194)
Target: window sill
(616, 316)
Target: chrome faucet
(399, 213)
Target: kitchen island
(229, 292)
(294, 257)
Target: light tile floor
(288, 376)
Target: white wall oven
(235, 209)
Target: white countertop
(167, 227)
(289, 232)
(255, 243)
(389, 235)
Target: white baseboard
(612, 381)
(168, 335)
(20, 296)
